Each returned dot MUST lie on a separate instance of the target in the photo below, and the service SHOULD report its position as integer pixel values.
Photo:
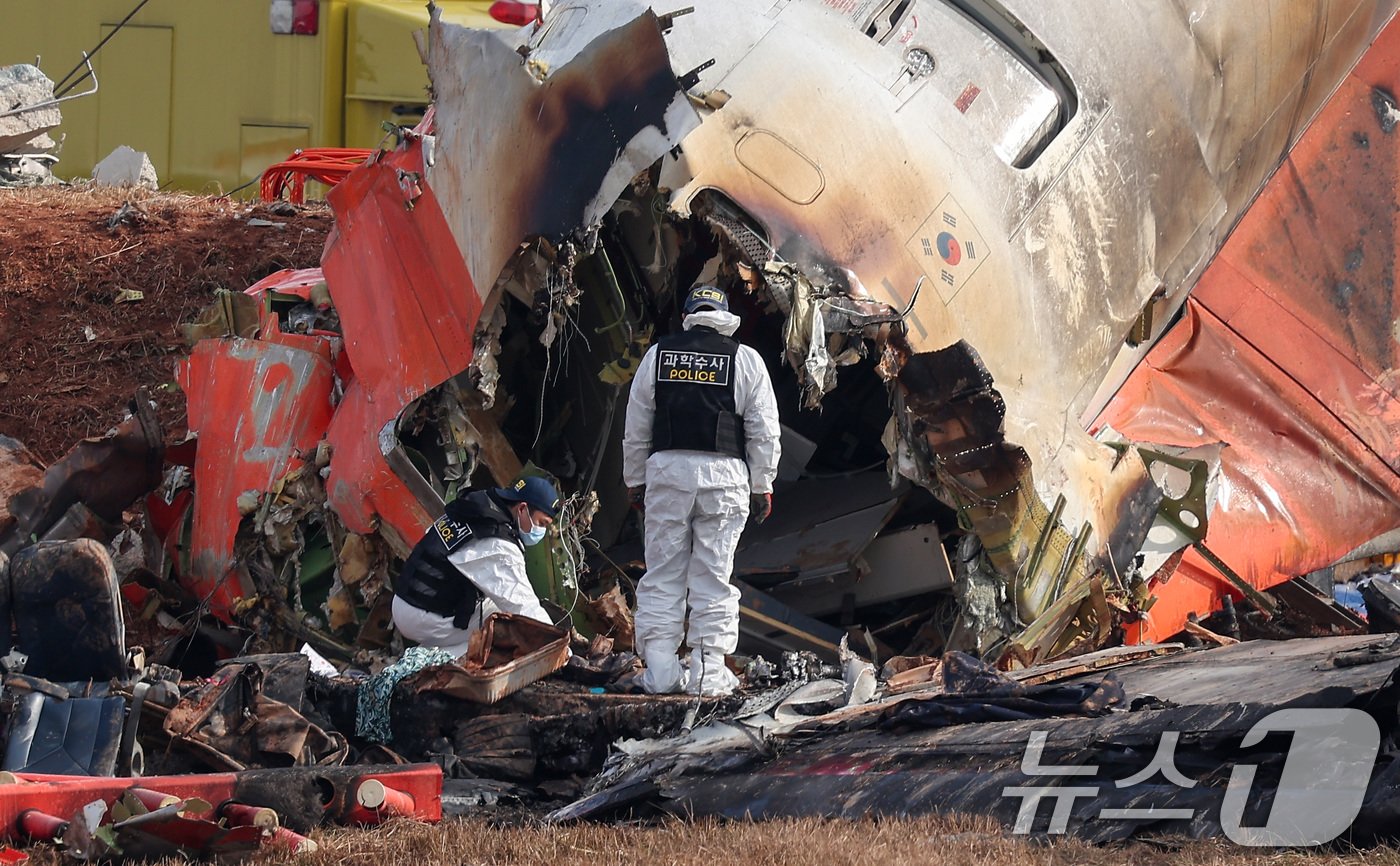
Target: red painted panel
(257, 407)
(1287, 353)
(1297, 487)
(408, 310)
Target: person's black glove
(638, 497)
(760, 506)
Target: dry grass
(964, 842)
(82, 193)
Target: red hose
(329, 165)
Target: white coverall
(497, 568)
(696, 505)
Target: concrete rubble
(28, 113)
(126, 166)
(974, 552)
(27, 107)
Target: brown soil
(62, 270)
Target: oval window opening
(780, 165)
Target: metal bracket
(1261, 601)
(130, 759)
(692, 78)
(1187, 513)
(667, 21)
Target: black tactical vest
(695, 394)
(429, 581)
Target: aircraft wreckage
(953, 246)
(1072, 350)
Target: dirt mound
(76, 343)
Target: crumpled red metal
(1287, 353)
(256, 406)
(408, 310)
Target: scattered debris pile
(30, 110)
(519, 724)
(1133, 741)
(218, 817)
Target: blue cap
(535, 492)
(706, 298)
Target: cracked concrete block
(126, 167)
(22, 86)
(40, 145)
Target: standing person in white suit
(700, 452)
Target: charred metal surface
(954, 418)
(1211, 698)
(592, 106)
(284, 676)
(109, 473)
(585, 119)
(1382, 606)
(1313, 613)
(570, 728)
(494, 747)
(104, 474)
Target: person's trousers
(691, 535)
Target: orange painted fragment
(1289, 353)
(258, 408)
(408, 310)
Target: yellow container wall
(211, 93)
(183, 80)
(384, 76)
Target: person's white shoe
(709, 676)
(663, 672)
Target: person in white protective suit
(700, 450)
(471, 563)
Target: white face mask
(532, 536)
